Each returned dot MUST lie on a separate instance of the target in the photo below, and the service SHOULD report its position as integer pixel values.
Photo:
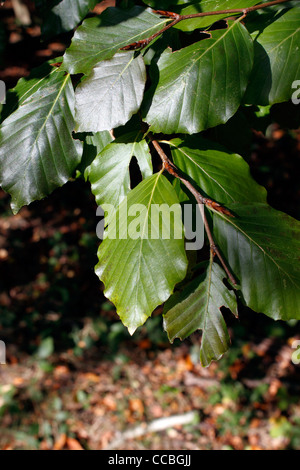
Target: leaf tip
(15, 208)
(131, 330)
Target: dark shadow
(259, 21)
(260, 81)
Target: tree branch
(201, 201)
(177, 18)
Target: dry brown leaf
(136, 406)
(73, 444)
(60, 442)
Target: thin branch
(214, 249)
(173, 170)
(177, 18)
(242, 11)
(201, 201)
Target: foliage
(148, 75)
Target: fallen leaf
(73, 444)
(60, 442)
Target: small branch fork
(201, 200)
(177, 18)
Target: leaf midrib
(201, 169)
(43, 126)
(251, 240)
(194, 62)
(142, 235)
(116, 46)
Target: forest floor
(75, 379)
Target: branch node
(213, 249)
(177, 18)
(201, 201)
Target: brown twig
(241, 11)
(173, 170)
(201, 201)
(177, 18)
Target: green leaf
(167, 4)
(39, 78)
(202, 85)
(186, 7)
(101, 37)
(197, 307)
(63, 16)
(93, 143)
(221, 175)
(46, 348)
(262, 248)
(109, 173)
(37, 152)
(209, 5)
(276, 60)
(111, 94)
(140, 273)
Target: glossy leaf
(101, 37)
(197, 307)
(262, 248)
(276, 60)
(111, 94)
(167, 4)
(38, 79)
(109, 173)
(93, 143)
(62, 16)
(186, 7)
(221, 175)
(209, 5)
(37, 152)
(202, 85)
(140, 273)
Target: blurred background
(74, 378)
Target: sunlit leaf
(37, 151)
(221, 175)
(111, 94)
(262, 248)
(62, 16)
(276, 59)
(101, 37)
(109, 173)
(202, 85)
(140, 268)
(197, 307)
